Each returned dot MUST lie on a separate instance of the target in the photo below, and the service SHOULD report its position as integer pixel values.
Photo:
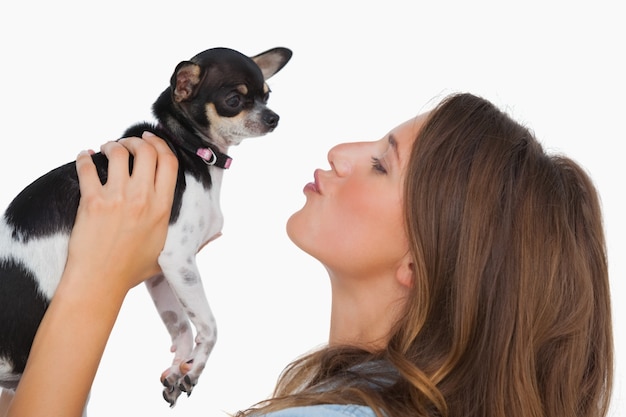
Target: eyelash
(378, 166)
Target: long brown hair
(510, 311)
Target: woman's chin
(298, 232)
(291, 227)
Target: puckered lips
(315, 185)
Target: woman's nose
(338, 157)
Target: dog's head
(223, 94)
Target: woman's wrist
(98, 288)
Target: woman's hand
(121, 226)
(119, 232)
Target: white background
(76, 74)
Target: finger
(118, 157)
(87, 173)
(167, 165)
(144, 165)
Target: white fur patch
(7, 377)
(200, 218)
(45, 257)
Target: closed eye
(378, 166)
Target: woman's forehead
(405, 133)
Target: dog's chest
(200, 216)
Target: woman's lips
(314, 186)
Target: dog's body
(214, 101)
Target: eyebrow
(394, 144)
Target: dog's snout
(270, 119)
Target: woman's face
(353, 219)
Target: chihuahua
(214, 101)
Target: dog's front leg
(184, 280)
(177, 324)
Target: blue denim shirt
(327, 410)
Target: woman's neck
(364, 311)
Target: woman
(467, 268)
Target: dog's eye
(266, 97)
(234, 100)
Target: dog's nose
(270, 119)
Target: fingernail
(85, 152)
(147, 134)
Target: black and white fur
(214, 101)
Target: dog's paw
(171, 392)
(175, 383)
(171, 386)
(187, 383)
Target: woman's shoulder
(324, 410)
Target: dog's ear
(272, 61)
(185, 80)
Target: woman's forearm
(67, 349)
